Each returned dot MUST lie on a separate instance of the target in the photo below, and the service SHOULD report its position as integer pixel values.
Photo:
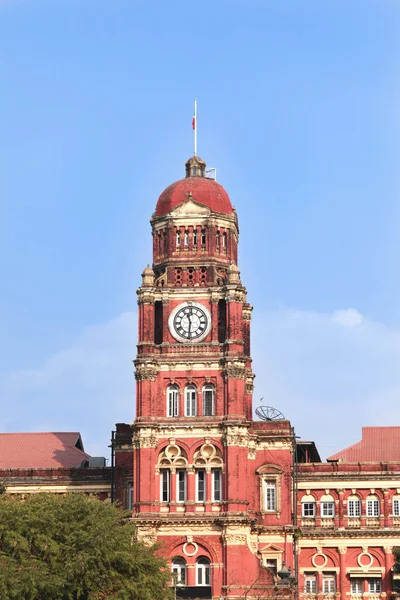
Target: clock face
(190, 322)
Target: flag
(194, 122)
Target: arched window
(194, 236)
(179, 571)
(308, 507)
(203, 237)
(186, 242)
(354, 506)
(172, 401)
(224, 244)
(178, 238)
(203, 571)
(373, 508)
(208, 400)
(190, 401)
(217, 238)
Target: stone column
(342, 574)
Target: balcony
(354, 523)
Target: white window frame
(373, 507)
(186, 237)
(179, 568)
(203, 572)
(190, 401)
(224, 240)
(310, 584)
(216, 479)
(396, 507)
(178, 239)
(173, 401)
(203, 238)
(270, 495)
(181, 485)
(311, 509)
(328, 584)
(201, 483)
(356, 586)
(194, 236)
(374, 585)
(205, 391)
(165, 485)
(327, 509)
(129, 496)
(354, 507)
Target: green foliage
(396, 570)
(74, 547)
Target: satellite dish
(268, 413)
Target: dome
(201, 189)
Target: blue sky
(299, 112)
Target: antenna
(268, 413)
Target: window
(222, 321)
(203, 237)
(328, 584)
(354, 507)
(158, 322)
(194, 237)
(129, 496)
(208, 400)
(173, 401)
(216, 485)
(327, 509)
(396, 507)
(374, 586)
(310, 584)
(224, 241)
(178, 239)
(179, 571)
(372, 507)
(164, 485)
(272, 565)
(217, 238)
(181, 485)
(190, 401)
(200, 485)
(186, 238)
(308, 509)
(270, 496)
(356, 586)
(203, 571)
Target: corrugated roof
(378, 444)
(41, 450)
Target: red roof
(378, 444)
(203, 190)
(41, 450)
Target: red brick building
(232, 501)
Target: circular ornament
(319, 560)
(365, 560)
(190, 322)
(190, 548)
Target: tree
(396, 571)
(74, 547)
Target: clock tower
(196, 470)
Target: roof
(307, 452)
(41, 450)
(201, 189)
(377, 444)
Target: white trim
(178, 473)
(165, 472)
(204, 485)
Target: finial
(195, 167)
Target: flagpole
(195, 127)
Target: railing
(308, 522)
(372, 522)
(327, 523)
(396, 521)
(354, 523)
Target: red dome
(203, 190)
